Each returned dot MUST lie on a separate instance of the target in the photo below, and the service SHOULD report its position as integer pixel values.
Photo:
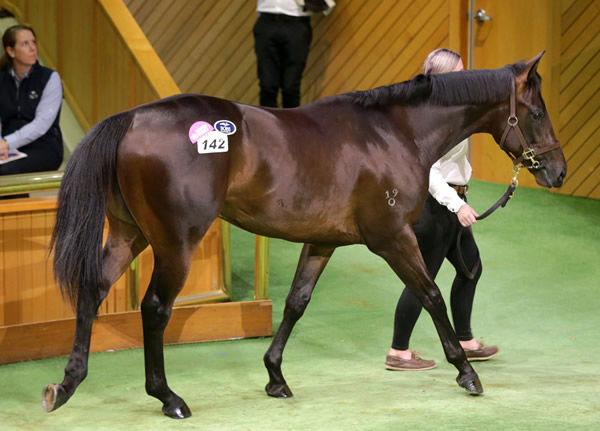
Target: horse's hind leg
(123, 243)
(171, 266)
(405, 259)
(312, 262)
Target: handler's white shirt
(453, 168)
(288, 7)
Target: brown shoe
(415, 363)
(483, 353)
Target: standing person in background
(446, 211)
(30, 101)
(282, 36)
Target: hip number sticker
(213, 142)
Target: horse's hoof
(179, 412)
(53, 396)
(279, 391)
(472, 386)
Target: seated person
(30, 101)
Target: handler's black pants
(436, 232)
(281, 45)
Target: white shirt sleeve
(454, 168)
(441, 191)
(45, 114)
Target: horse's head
(527, 134)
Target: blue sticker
(225, 126)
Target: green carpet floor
(538, 299)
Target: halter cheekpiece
(527, 158)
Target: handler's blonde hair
(440, 61)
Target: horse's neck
(438, 129)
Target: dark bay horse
(346, 169)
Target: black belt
(461, 190)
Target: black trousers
(281, 43)
(45, 154)
(436, 232)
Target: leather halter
(529, 153)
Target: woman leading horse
(346, 169)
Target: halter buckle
(530, 156)
(512, 121)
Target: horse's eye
(537, 115)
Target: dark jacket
(18, 105)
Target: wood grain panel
(571, 81)
(208, 322)
(113, 72)
(77, 72)
(29, 294)
(579, 127)
(208, 46)
(571, 10)
(44, 24)
(29, 291)
(507, 39)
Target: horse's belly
(292, 226)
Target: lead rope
(508, 194)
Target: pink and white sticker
(199, 129)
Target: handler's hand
(466, 215)
(3, 149)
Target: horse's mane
(455, 88)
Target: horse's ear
(530, 70)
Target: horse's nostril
(561, 177)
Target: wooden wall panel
(518, 31)
(78, 74)
(579, 120)
(208, 45)
(44, 24)
(115, 74)
(569, 31)
(28, 293)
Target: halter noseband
(529, 153)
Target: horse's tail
(77, 237)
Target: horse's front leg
(403, 255)
(313, 260)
